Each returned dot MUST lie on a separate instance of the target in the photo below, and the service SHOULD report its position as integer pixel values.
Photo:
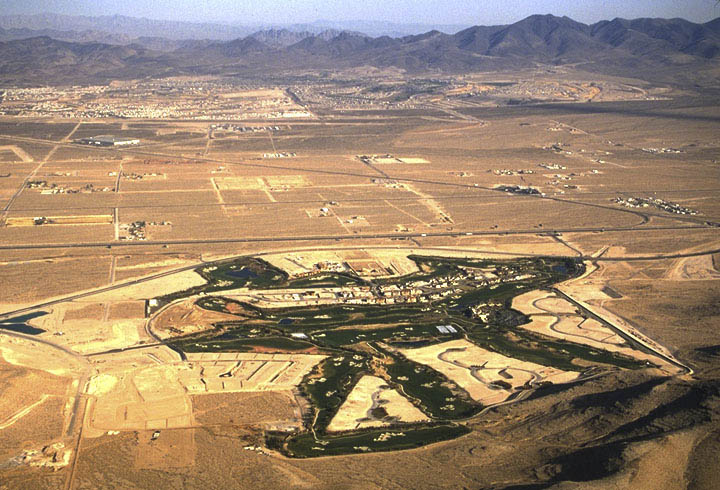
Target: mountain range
(119, 29)
(619, 46)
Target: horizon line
(321, 21)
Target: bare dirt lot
(488, 377)
(372, 403)
(245, 408)
(554, 316)
(185, 318)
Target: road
(85, 294)
(35, 338)
(76, 452)
(559, 316)
(359, 236)
(475, 370)
(31, 175)
(142, 151)
(348, 200)
(80, 406)
(626, 335)
(226, 259)
(22, 412)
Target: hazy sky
(483, 12)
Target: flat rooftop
(107, 139)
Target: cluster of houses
(243, 129)
(418, 291)
(661, 150)
(505, 171)
(518, 189)
(52, 188)
(645, 202)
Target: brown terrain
(98, 400)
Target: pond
(19, 324)
(244, 273)
(21, 328)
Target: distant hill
(130, 27)
(640, 47)
(282, 38)
(85, 36)
(42, 60)
(376, 28)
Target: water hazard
(20, 323)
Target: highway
(635, 221)
(359, 236)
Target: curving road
(627, 336)
(475, 370)
(235, 257)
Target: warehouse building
(107, 140)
